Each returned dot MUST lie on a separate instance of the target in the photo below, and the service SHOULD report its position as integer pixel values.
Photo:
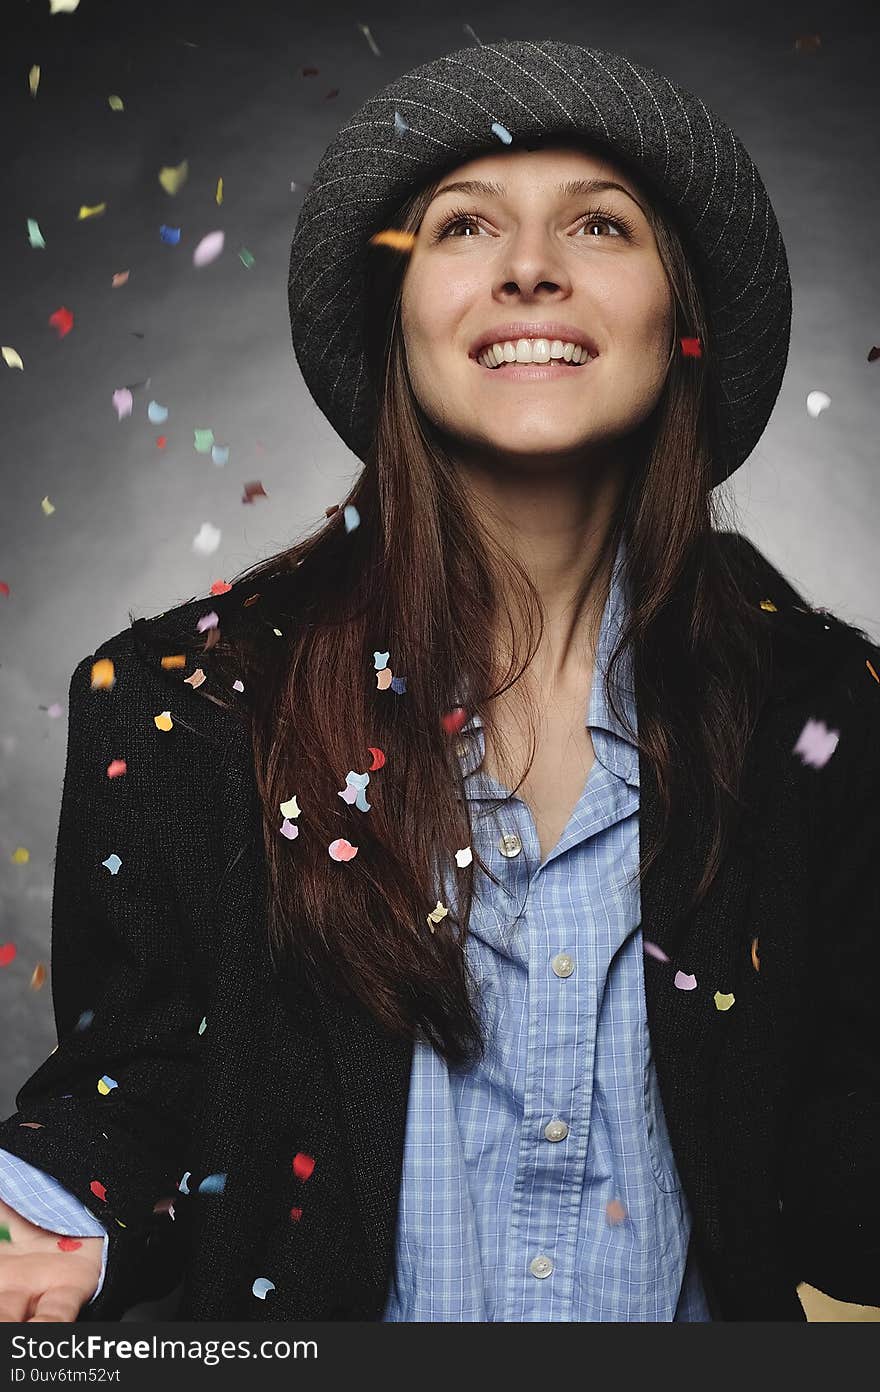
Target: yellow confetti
(173, 178)
(34, 79)
(163, 721)
(769, 605)
(290, 808)
(20, 856)
(121, 1224)
(63, 6)
(87, 212)
(103, 673)
(437, 915)
(38, 977)
(755, 960)
(218, 196)
(115, 103)
(722, 1001)
(394, 237)
(178, 660)
(47, 507)
(11, 358)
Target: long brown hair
(419, 578)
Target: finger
(13, 1305)
(59, 1304)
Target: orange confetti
(116, 767)
(394, 237)
(103, 673)
(177, 660)
(615, 1212)
(755, 962)
(39, 977)
(871, 670)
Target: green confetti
(5, 1235)
(35, 236)
(203, 1024)
(246, 258)
(204, 439)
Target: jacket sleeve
(831, 1195)
(109, 1112)
(42, 1200)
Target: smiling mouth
(525, 371)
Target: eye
(596, 216)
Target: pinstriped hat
(490, 97)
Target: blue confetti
(112, 863)
(262, 1287)
(502, 132)
(213, 1184)
(171, 235)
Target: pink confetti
(116, 767)
(685, 982)
(340, 849)
(654, 951)
(122, 402)
(209, 248)
(816, 743)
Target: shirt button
(562, 964)
(541, 1266)
(556, 1131)
(510, 845)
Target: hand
(39, 1281)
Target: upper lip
(521, 328)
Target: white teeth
(532, 350)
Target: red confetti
(4, 588)
(691, 348)
(254, 490)
(302, 1165)
(296, 1214)
(161, 441)
(221, 587)
(98, 1190)
(7, 952)
(453, 721)
(62, 320)
(116, 767)
(68, 1244)
(378, 758)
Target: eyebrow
(574, 188)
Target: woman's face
(529, 254)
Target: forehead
(541, 164)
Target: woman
(471, 956)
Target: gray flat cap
(443, 113)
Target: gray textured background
(221, 85)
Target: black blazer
(773, 1106)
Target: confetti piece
(63, 6)
(20, 856)
(116, 768)
(203, 1025)
(654, 951)
(615, 1212)
(219, 587)
(722, 1001)
(816, 743)
(381, 660)
(209, 620)
(220, 454)
(502, 132)
(289, 830)
(209, 248)
(691, 348)
(253, 490)
(112, 863)
(164, 1206)
(62, 320)
(370, 40)
(68, 1244)
(34, 1125)
(246, 258)
(106, 1084)
(7, 953)
(303, 1165)
(400, 126)
(755, 959)
(290, 808)
(378, 758)
(352, 517)
(263, 1287)
(394, 237)
(120, 278)
(47, 507)
(685, 982)
(196, 679)
(871, 670)
(34, 79)
(817, 402)
(85, 1020)
(103, 673)
(115, 103)
(38, 978)
(464, 857)
(35, 236)
(213, 1184)
(5, 1235)
(156, 413)
(163, 721)
(206, 540)
(398, 684)
(169, 235)
(342, 850)
(454, 720)
(218, 195)
(296, 1214)
(384, 679)
(202, 441)
(98, 1190)
(769, 606)
(87, 212)
(437, 915)
(173, 177)
(171, 662)
(182, 1186)
(11, 358)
